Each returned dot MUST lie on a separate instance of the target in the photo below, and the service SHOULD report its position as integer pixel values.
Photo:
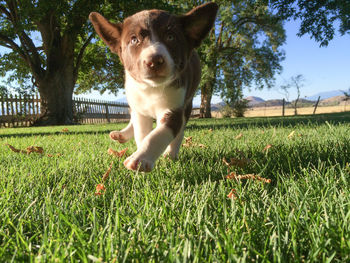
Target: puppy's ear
(109, 32)
(198, 22)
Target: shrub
(240, 107)
(226, 111)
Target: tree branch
(227, 42)
(78, 15)
(29, 50)
(80, 56)
(7, 42)
(219, 40)
(5, 11)
(12, 11)
(47, 30)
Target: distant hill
(271, 103)
(304, 102)
(325, 95)
(254, 100)
(336, 100)
(217, 106)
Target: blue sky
(324, 68)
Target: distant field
(183, 211)
(277, 111)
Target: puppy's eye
(134, 40)
(170, 37)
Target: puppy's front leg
(124, 135)
(154, 144)
(142, 127)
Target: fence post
(12, 110)
(283, 105)
(19, 111)
(37, 105)
(318, 100)
(107, 113)
(16, 105)
(2, 110)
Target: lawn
(181, 211)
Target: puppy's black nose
(154, 62)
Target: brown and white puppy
(162, 73)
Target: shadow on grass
(53, 133)
(240, 123)
(288, 121)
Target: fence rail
(24, 110)
(97, 111)
(19, 110)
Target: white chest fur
(153, 101)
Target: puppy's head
(153, 45)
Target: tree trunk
(57, 84)
(296, 106)
(206, 95)
(56, 93)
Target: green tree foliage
(242, 50)
(236, 109)
(48, 49)
(46, 42)
(318, 18)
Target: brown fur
(162, 75)
(172, 120)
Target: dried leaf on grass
(29, 149)
(239, 136)
(65, 130)
(100, 189)
(188, 139)
(232, 194)
(291, 135)
(237, 162)
(267, 147)
(15, 149)
(35, 149)
(189, 143)
(116, 153)
(57, 154)
(106, 175)
(237, 177)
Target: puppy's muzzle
(154, 63)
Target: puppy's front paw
(118, 136)
(137, 162)
(171, 153)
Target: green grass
(180, 211)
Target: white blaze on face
(166, 74)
